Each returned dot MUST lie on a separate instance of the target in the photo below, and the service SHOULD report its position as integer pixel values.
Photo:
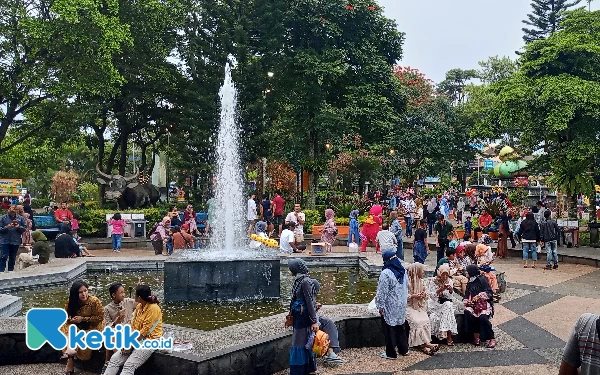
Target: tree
(496, 68)
(454, 84)
(46, 51)
(546, 18)
(332, 65)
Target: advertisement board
(10, 187)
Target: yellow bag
(321, 344)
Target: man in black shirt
(441, 231)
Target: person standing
(252, 215)
(298, 217)
(266, 213)
(391, 301)
(386, 240)
(12, 227)
(117, 224)
(473, 202)
(460, 209)
(329, 231)
(303, 309)
(63, 216)
(409, 213)
(529, 232)
(420, 245)
(354, 230)
(278, 204)
(549, 232)
(160, 233)
(396, 230)
(441, 231)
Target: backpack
(321, 344)
(152, 230)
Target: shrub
(92, 222)
(86, 191)
(313, 217)
(40, 202)
(342, 221)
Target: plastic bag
(539, 249)
(353, 247)
(372, 308)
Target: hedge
(92, 222)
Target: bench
(46, 224)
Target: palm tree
(571, 177)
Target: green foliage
(313, 217)
(38, 203)
(546, 18)
(342, 221)
(92, 222)
(493, 207)
(343, 209)
(517, 196)
(86, 192)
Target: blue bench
(201, 220)
(46, 224)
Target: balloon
(506, 168)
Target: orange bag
(321, 344)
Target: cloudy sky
(444, 34)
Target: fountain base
(209, 279)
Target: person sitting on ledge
(64, 246)
(147, 319)
(328, 326)
(87, 314)
(479, 308)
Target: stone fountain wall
(209, 280)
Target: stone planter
(343, 230)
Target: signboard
(488, 164)
(11, 187)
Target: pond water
(337, 287)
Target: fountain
(228, 269)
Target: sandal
(435, 347)
(428, 351)
(69, 372)
(477, 342)
(450, 343)
(525, 266)
(385, 356)
(491, 344)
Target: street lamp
(328, 146)
(270, 74)
(392, 152)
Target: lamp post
(167, 163)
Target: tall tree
(456, 81)
(546, 17)
(46, 50)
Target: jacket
(529, 230)
(65, 247)
(549, 230)
(11, 235)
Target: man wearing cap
(441, 231)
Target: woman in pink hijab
(329, 230)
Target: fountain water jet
(228, 267)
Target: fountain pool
(346, 286)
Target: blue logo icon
(43, 326)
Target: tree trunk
(311, 200)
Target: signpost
(11, 187)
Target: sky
(444, 34)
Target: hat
(185, 226)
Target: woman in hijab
(479, 308)
(303, 309)
(416, 311)
(391, 300)
(329, 230)
(160, 234)
(189, 218)
(441, 306)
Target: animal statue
(128, 192)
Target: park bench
(46, 224)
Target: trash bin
(571, 237)
(139, 228)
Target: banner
(11, 187)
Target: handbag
(539, 249)
(289, 320)
(480, 305)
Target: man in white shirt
(298, 218)
(251, 213)
(409, 213)
(386, 239)
(287, 240)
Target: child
(169, 242)
(83, 251)
(396, 229)
(75, 222)
(468, 225)
(420, 248)
(117, 231)
(26, 238)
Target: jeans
(129, 362)
(116, 241)
(400, 249)
(551, 253)
(409, 223)
(527, 247)
(9, 252)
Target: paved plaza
(532, 323)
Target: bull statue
(128, 192)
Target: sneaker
(332, 359)
(385, 356)
(555, 266)
(548, 267)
